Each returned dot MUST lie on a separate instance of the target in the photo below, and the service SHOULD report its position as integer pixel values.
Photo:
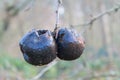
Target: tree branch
(59, 4)
(42, 72)
(57, 13)
(89, 23)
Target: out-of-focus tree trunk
(84, 8)
(107, 36)
(101, 25)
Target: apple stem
(36, 32)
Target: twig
(45, 70)
(31, 4)
(59, 4)
(24, 4)
(57, 13)
(89, 23)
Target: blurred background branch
(42, 72)
(13, 10)
(94, 18)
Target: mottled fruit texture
(38, 47)
(70, 44)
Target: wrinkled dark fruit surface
(70, 44)
(38, 49)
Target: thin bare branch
(89, 23)
(59, 4)
(24, 4)
(31, 4)
(57, 13)
(38, 76)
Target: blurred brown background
(101, 58)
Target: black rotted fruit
(70, 44)
(38, 47)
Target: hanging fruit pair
(41, 47)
